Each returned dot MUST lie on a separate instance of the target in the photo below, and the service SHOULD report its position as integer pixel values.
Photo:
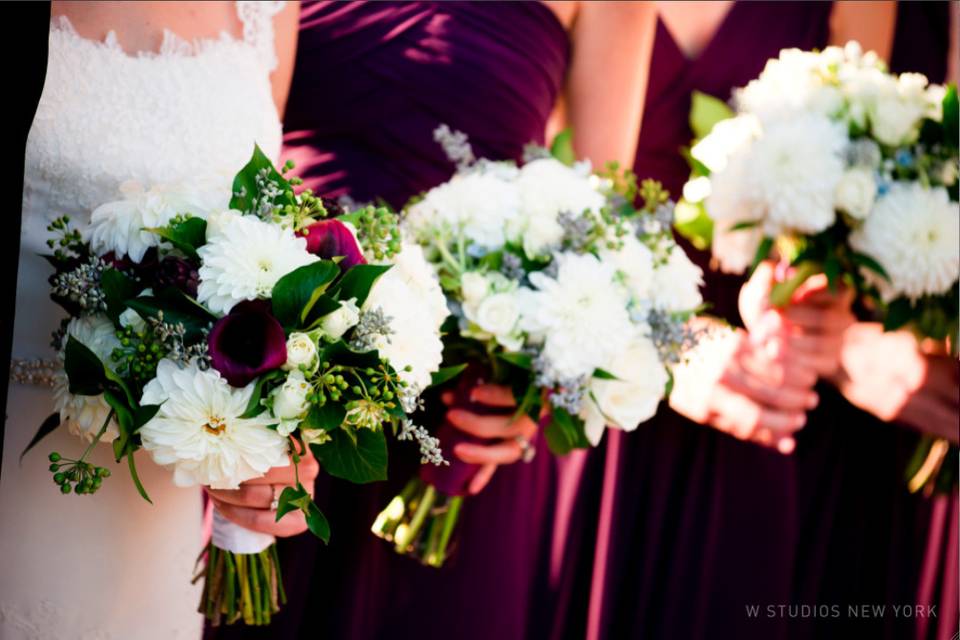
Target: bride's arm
(286, 29)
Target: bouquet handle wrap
(229, 536)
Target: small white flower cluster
(534, 262)
(820, 137)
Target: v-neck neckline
(711, 44)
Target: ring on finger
(527, 450)
(277, 490)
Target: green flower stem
(448, 523)
(96, 438)
(405, 538)
(781, 292)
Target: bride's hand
(249, 506)
(751, 389)
(511, 432)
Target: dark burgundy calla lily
(332, 238)
(247, 342)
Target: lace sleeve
(257, 19)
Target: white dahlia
(547, 188)
(477, 203)
(791, 84)
(725, 139)
(793, 170)
(912, 232)
(198, 430)
(580, 316)
(634, 264)
(676, 284)
(84, 415)
(630, 399)
(120, 226)
(246, 260)
(410, 296)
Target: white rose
(498, 314)
(301, 350)
(217, 221)
(290, 398)
(856, 192)
(474, 287)
(630, 399)
(337, 323)
(315, 436)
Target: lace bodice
(194, 109)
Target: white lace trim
(255, 16)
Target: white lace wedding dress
(111, 565)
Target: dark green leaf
(867, 262)
(358, 456)
(763, 251)
(144, 414)
(705, 112)
(295, 293)
(291, 499)
(117, 288)
(521, 360)
(565, 432)
(317, 522)
(746, 224)
(328, 417)
(324, 306)
(187, 236)
(51, 423)
(604, 375)
(951, 116)
(358, 280)
(246, 183)
(692, 222)
(176, 308)
(831, 268)
(136, 479)
(562, 147)
(84, 369)
(339, 353)
(254, 408)
(446, 374)
(899, 313)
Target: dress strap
(257, 19)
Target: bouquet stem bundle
(420, 522)
(239, 586)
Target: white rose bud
(217, 221)
(474, 287)
(301, 350)
(856, 192)
(315, 436)
(498, 314)
(130, 318)
(337, 323)
(290, 398)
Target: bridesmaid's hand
(752, 390)
(511, 432)
(886, 374)
(812, 324)
(249, 506)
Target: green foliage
(565, 432)
(562, 147)
(187, 235)
(359, 456)
(250, 182)
(705, 112)
(295, 294)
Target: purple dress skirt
(863, 538)
(681, 528)
(371, 83)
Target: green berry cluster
(69, 243)
(653, 195)
(379, 232)
(138, 353)
(330, 385)
(76, 475)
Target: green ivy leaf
(705, 112)
(46, 428)
(254, 408)
(317, 522)
(692, 222)
(602, 374)
(84, 369)
(565, 432)
(246, 182)
(136, 479)
(117, 288)
(899, 313)
(863, 260)
(328, 417)
(358, 456)
(187, 236)
(763, 251)
(295, 293)
(562, 147)
(522, 360)
(445, 374)
(951, 116)
(358, 280)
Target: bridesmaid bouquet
(844, 169)
(226, 340)
(559, 288)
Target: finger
(487, 426)
(248, 495)
(825, 345)
(824, 365)
(818, 319)
(786, 445)
(506, 452)
(743, 417)
(494, 395)
(777, 369)
(781, 397)
(481, 479)
(306, 470)
(264, 520)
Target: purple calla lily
(247, 342)
(332, 238)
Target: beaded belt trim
(35, 371)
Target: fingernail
(812, 401)
(800, 421)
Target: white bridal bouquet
(844, 169)
(224, 334)
(561, 289)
